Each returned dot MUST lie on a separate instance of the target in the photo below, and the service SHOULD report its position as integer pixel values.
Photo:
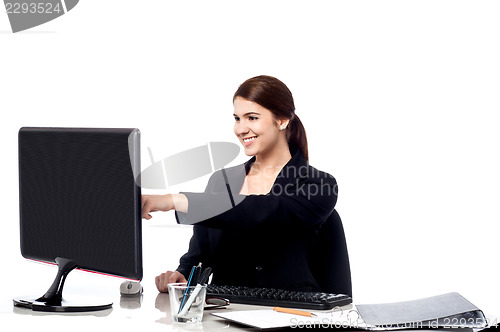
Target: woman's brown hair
(271, 93)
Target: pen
(203, 280)
(294, 312)
(187, 287)
(196, 275)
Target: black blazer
(260, 240)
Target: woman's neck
(275, 159)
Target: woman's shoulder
(317, 174)
(299, 167)
(307, 173)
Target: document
(449, 310)
(268, 318)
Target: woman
(256, 224)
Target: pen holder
(187, 303)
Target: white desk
(150, 312)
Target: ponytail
(296, 136)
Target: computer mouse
(130, 288)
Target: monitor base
(74, 305)
(52, 300)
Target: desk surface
(149, 312)
(146, 313)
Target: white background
(399, 100)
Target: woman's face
(256, 127)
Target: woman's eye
(252, 118)
(236, 118)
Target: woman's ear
(283, 123)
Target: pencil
(294, 311)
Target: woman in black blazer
(256, 224)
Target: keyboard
(279, 297)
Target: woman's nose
(240, 128)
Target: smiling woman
(260, 224)
(271, 96)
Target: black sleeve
(305, 201)
(198, 249)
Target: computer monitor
(80, 206)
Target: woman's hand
(169, 277)
(153, 203)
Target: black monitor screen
(79, 199)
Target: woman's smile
(249, 140)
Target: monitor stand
(53, 300)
